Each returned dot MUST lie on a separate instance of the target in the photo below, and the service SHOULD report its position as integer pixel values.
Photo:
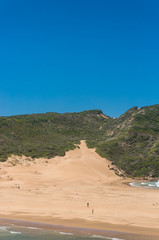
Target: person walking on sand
(88, 204)
(92, 211)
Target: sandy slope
(59, 188)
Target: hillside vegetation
(131, 141)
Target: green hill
(131, 141)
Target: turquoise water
(154, 185)
(31, 233)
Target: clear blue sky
(74, 55)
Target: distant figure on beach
(92, 211)
(88, 204)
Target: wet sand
(78, 230)
(56, 191)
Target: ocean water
(31, 233)
(154, 185)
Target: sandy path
(59, 188)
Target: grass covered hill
(131, 141)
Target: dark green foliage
(131, 141)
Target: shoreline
(77, 192)
(83, 227)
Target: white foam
(145, 184)
(157, 183)
(6, 229)
(65, 233)
(103, 237)
(3, 228)
(99, 236)
(34, 228)
(12, 232)
(132, 184)
(117, 239)
(151, 185)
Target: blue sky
(74, 55)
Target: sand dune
(57, 191)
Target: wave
(66, 233)
(7, 229)
(12, 232)
(145, 184)
(157, 183)
(4, 228)
(102, 237)
(33, 228)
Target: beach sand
(56, 191)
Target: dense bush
(131, 141)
